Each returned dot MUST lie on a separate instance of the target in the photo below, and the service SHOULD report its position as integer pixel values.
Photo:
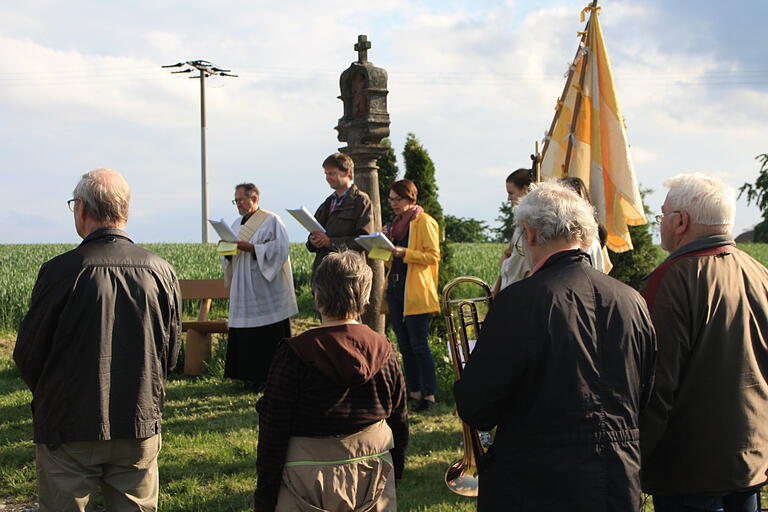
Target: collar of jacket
(351, 192)
(568, 255)
(701, 243)
(104, 233)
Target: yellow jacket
(422, 257)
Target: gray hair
(556, 212)
(342, 285)
(105, 195)
(707, 200)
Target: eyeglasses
(660, 217)
(71, 204)
(242, 199)
(519, 244)
(395, 199)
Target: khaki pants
(124, 469)
(340, 474)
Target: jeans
(411, 332)
(746, 501)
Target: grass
(210, 423)
(210, 431)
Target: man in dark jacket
(345, 214)
(95, 347)
(705, 431)
(562, 367)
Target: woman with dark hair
(333, 419)
(412, 289)
(512, 266)
(598, 254)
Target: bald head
(105, 197)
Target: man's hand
(319, 239)
(244, 246)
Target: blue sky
(476, 82)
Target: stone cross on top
(361, 47)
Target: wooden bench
(197, 351)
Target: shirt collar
(704, 242)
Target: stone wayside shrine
(364, 123)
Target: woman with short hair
(412, 288)
(333, 419)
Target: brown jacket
(706, 427)
(352, 218)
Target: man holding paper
(345, 214)
(261, 294)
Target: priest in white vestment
(261, 293)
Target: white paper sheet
(223, 230)
(306, 219)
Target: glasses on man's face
(519, 244)
(240, 200)
(71, 204)
(660, 217)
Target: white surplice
(261, 291)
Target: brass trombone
(461, 317)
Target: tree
(388, 172)
(631, 267)
(758, 193)
(463, 230)
(420, 169)
(505, 232)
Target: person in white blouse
(261, 292)
(512, 266)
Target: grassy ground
(209, 445)
(210, 428)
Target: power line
(205, 69)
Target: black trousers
(250, 350)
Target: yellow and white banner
(599, 153)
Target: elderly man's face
(669, 221)
(245, 202)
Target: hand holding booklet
(377, 246)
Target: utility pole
(205, 69)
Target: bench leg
(197, 352)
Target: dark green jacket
(352, 218)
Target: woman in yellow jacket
(412, 289)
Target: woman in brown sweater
(333, 419)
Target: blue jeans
(411, 332)
(747, 501)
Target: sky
(82, 88)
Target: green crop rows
(19, 265)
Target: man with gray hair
(562, 367)
(705, 431)
(95, 348)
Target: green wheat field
(210, 424)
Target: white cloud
(477, 86)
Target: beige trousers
(124, 469)
(351, 473)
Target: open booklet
(377, 246)
(306, 219)
(227, 245)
